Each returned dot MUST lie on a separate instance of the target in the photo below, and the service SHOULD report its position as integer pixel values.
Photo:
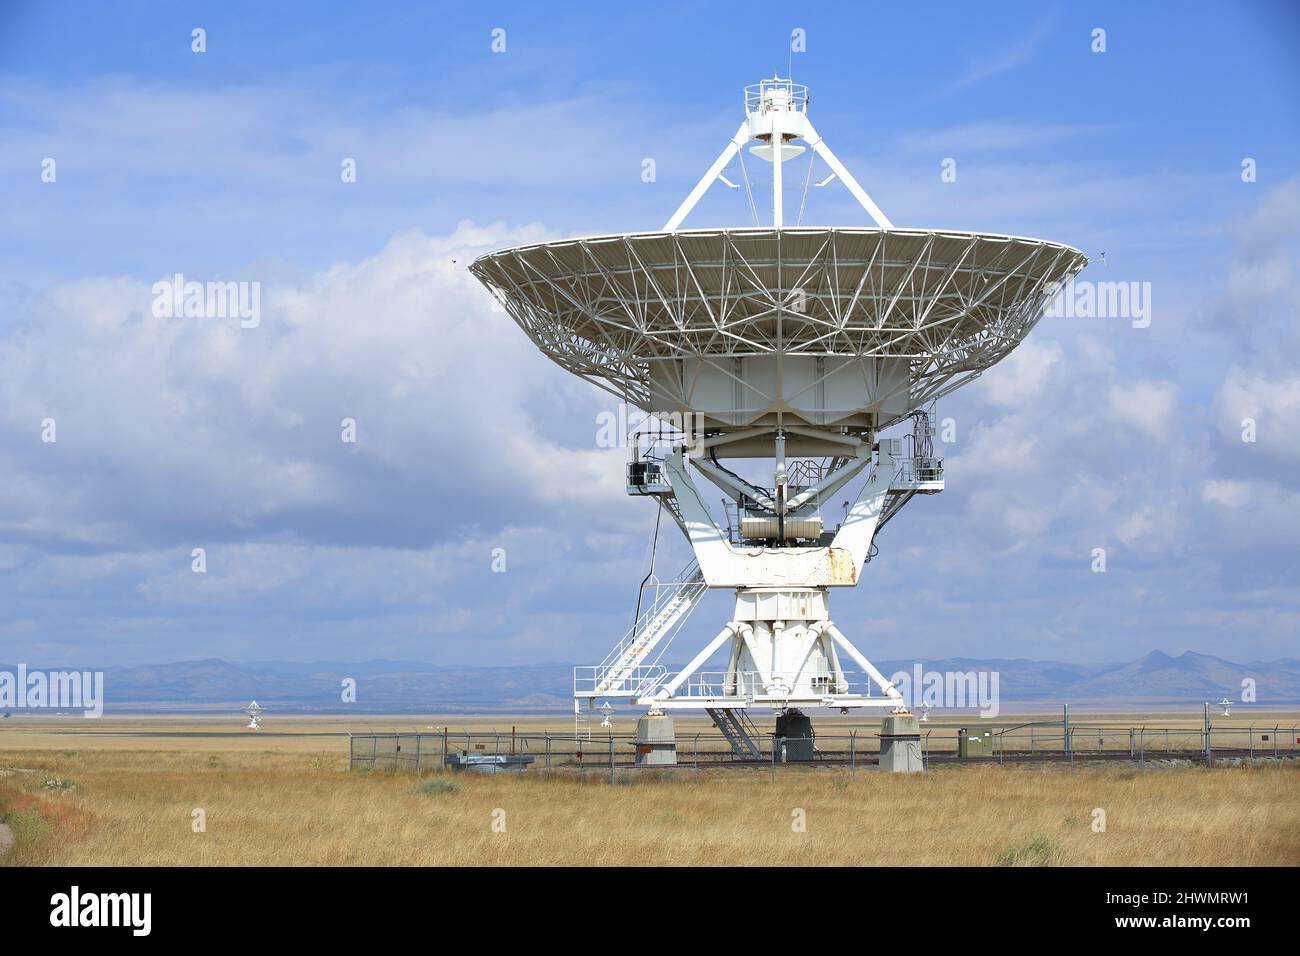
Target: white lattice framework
(607, 308)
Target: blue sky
(179, 434)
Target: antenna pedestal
(784, 652)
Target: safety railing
(595, 680)
(919, 472)
(759, 97)
(750, 684)
(686, 586)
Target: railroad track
(843, 759)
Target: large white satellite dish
(770, 342)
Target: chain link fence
(1036, 741)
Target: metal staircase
(623, 672)
(674, 509)
(739, 731)
(894, 502)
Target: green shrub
(436, 785)
(27, 826)
(1040, 851)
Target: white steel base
(783, 652)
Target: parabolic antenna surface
(830, 326)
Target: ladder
(581, 726)
(622, 672)
(739, 731)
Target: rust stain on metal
(842, 569)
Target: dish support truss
(629, 312)
(783, 650)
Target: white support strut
(774, 118)
(778, 185)
(733, 628)
(831, 484)
(860, 659)
(846, 177)
(707, 179)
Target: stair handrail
(665, 593)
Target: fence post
(417, 752)
(774, 758)
(611, 758)
(697, 751)
(853, 754)
(1065, 732)
(548, 750)
(1209, 754)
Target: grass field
(106, 797)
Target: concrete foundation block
(656, 741)
(900, 744)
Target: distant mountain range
(409, 687)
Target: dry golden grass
(293, 805)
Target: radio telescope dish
(825, 327)
(763, 342)
(254, 713)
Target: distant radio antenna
(254, 713)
